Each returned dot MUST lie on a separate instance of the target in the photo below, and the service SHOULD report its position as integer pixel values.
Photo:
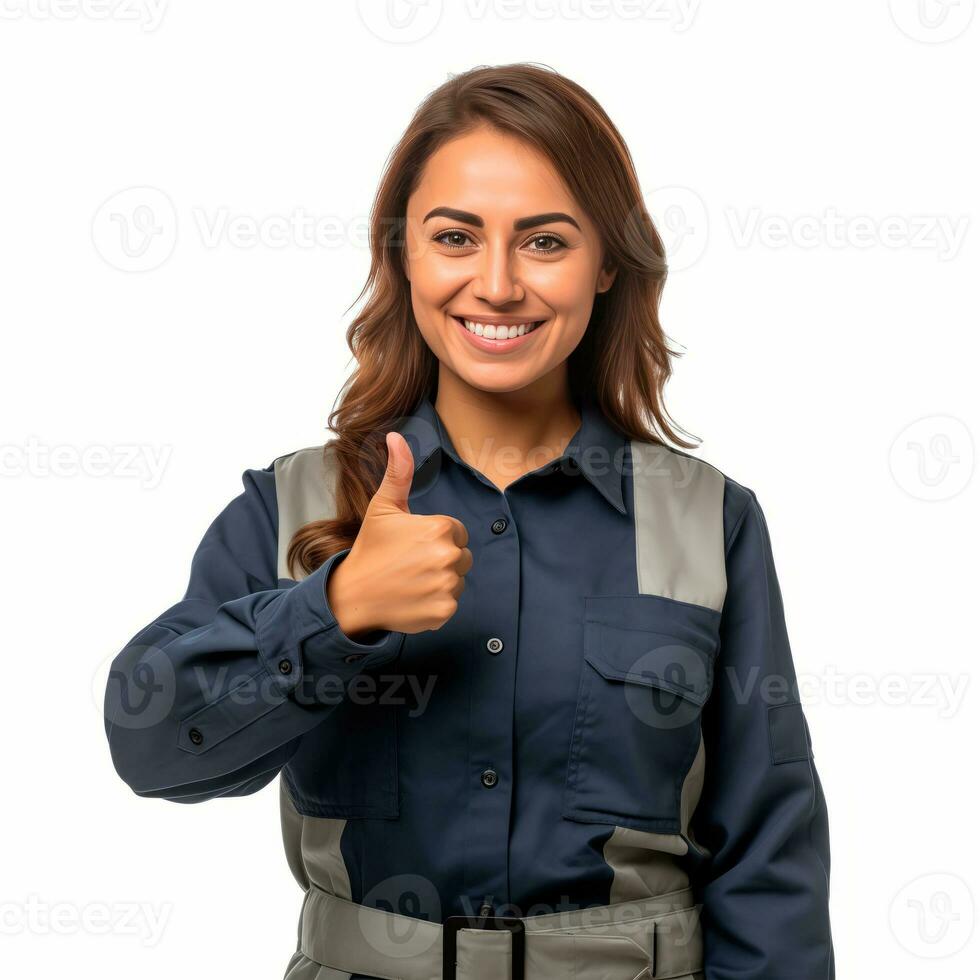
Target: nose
(495, 282)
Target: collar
(596, 450)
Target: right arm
(211, 698)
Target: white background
(814, 170)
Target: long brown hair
(623, 360)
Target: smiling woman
(578, 616)
(522, 244)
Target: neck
(506, 434)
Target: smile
(497, 337)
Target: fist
(405, 571)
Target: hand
(405, 571)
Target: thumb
(393, 490)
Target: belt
(648, 939)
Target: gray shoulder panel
(680, 534)
(305, 485)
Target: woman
(512, 655)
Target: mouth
(497, 337)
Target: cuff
(300, 635)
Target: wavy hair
(623, 360)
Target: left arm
(762, 815)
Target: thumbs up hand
(405, 571)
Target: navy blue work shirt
(598, 721)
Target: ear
(607, 276)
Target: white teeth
(499, 331)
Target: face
(503, 263)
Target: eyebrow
(520, 224)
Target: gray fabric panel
(583, 943)
(678, 502)
(305, 483)
(643, 864)
(691, 790)
(291, 822)
(313, 848)
(301, 967)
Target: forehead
(487, 171)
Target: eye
(556, 240)
(453, 233)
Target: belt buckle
(454, 923)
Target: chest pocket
(348, 765)
(647, 671)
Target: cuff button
(195, 736)
(352, 658)
(285, 667)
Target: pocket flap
(645, 639)
(670, 666)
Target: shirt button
(499, 526)
(352, 658)
(195, 736)
(285, 667)
(495, 645)
(489, 777)
(486, 910)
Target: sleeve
(213, 697)
(762, 816)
